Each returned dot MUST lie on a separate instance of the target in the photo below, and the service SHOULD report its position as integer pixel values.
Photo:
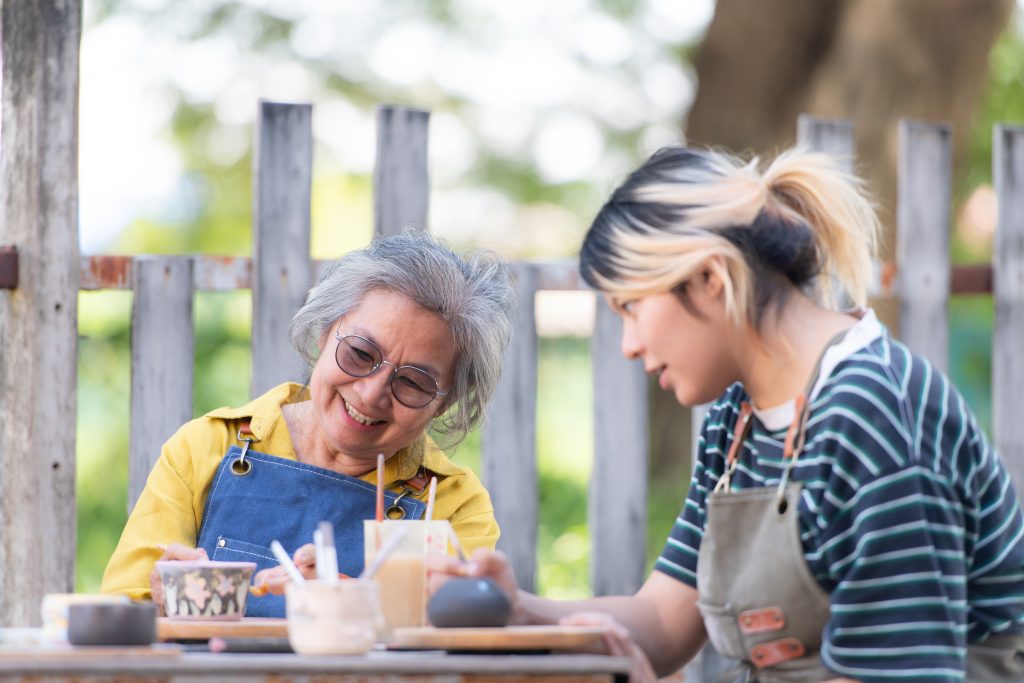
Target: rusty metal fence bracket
(8, 267)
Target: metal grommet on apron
(240, 466)
(396, 511)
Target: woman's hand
(274, 580)
(174, 551)
(617, 642)
(492, 564)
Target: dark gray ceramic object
(131, 623)
(468, 602)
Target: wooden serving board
(90, 652)
(199, 629)
(587, 638)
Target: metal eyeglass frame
(381, 362)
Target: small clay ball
(468, 602)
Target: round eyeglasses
(359, 357)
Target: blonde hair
(802, 222)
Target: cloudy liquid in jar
(403, 590)
(403, 578)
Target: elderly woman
(402, 337)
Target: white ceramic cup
(342, 618)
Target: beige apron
(760, 603)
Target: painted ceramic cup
(205, 589)
(342, 618)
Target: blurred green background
(505, 184)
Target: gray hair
(473, 295)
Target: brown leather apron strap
(414, 485)
(776, 651)
(739, 435)
(418, 481)
(762, 620)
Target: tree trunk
(872, 62)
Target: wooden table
(395, 667)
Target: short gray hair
(473, 295)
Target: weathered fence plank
(833, 137)
(400, 184)
(282, 266)
(509, 438)
(1008, 269)
(830, 136)
(617, 502)
(38, 321)
(923, 211)
(163, 357)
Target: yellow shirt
(170, 509)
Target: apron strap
(796, 435)
(739, 435)
(241, 467)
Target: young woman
(847, 518)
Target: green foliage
(102, 436)
(970, 354)
(972, 318)
(1003, 102)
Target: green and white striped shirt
(908, 519)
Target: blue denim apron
(256, 498)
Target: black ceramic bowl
(468, 602)
(132, 623)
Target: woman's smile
(360, 419)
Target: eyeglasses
(359, 357)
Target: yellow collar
(264, 415)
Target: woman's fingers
(156, 588)
(305, 556)
(495, 565)
(274, 579)
(305, 559)
(170, 551)
(177, 551)
(271, 580)
(483, 564)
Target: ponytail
(834, 205)
(803, 223)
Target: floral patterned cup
(205, 589)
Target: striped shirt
(907, 517)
